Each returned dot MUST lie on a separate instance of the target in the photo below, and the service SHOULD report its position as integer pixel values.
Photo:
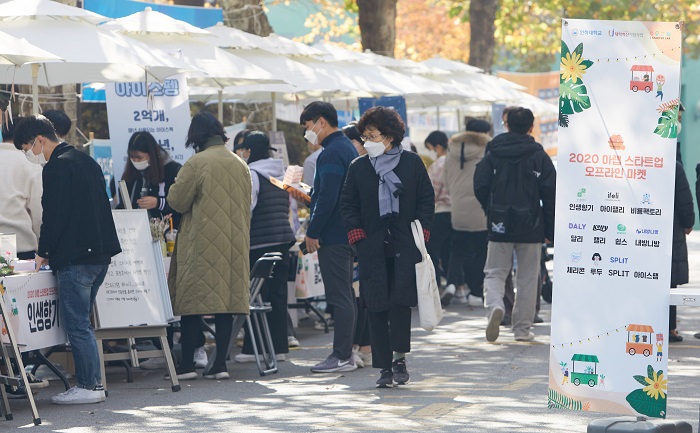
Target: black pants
(390, 330)
(468, 259)
(439, 245)
(336, 262)
(362, 337)
(274, 291)
(191, 330)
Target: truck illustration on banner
(639, 340)
(586, 371)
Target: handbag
(429, 307)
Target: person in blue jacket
(326, 233)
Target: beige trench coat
(209, 271)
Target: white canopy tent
(213, 66)
(90, 54)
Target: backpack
(514, 202)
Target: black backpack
(514, 203)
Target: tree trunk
(246, 15)
(377, 19)
(482, 17)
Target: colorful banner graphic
(619, 95)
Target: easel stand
(131, 334)
(10, 379)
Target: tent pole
(221, 106)
(35, 88)
(438, 117)
(274, 111)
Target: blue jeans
(77, 289)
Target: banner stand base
(638, 424)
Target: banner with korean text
(618, 109)
(160, 108)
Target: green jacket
(209, 271)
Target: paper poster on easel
(135, 290)
(619, 100)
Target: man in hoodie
(515, 183)
(469, 238)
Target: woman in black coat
(683, 221)
(384, 192)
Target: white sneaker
(244, 357)
(447, 295)
(153, 364)
(358, 359)
(77, 395)
(200, 358)
(460, 296)
(475, 301)
(292, 341)
(527, 337)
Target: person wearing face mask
(326, 234)
(21, 195)
(351, 131)
(439, 245)
(384, 192)
(238, 148)
(78, 239)
(149, 174)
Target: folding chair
(256, 322)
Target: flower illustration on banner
(668, 122)
(651, 399)
(656, 386)
(573, 96)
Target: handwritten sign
(134, 291)
(33, 309)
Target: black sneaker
(400, 373)
(386, 380)
(16, 393)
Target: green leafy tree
(528, 33)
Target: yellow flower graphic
(656, 386)
(571, 67)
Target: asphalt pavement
(459, 383)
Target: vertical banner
(166, 116)
(618, 107)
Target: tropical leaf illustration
(642, 403)
(560, 401)
(668, 126)
(573, 95)
(640, 379)
(573, 98)
(563, 120)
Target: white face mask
(35, 159)
(311, 136)
(375, 148)
(678, 128)
(140, 165)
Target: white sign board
(32, 302)
(619, 87)
(166, 116)
(135, 290)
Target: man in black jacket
(77, 238)
(515, 184)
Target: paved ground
(459, 383)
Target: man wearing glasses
(326, 233)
